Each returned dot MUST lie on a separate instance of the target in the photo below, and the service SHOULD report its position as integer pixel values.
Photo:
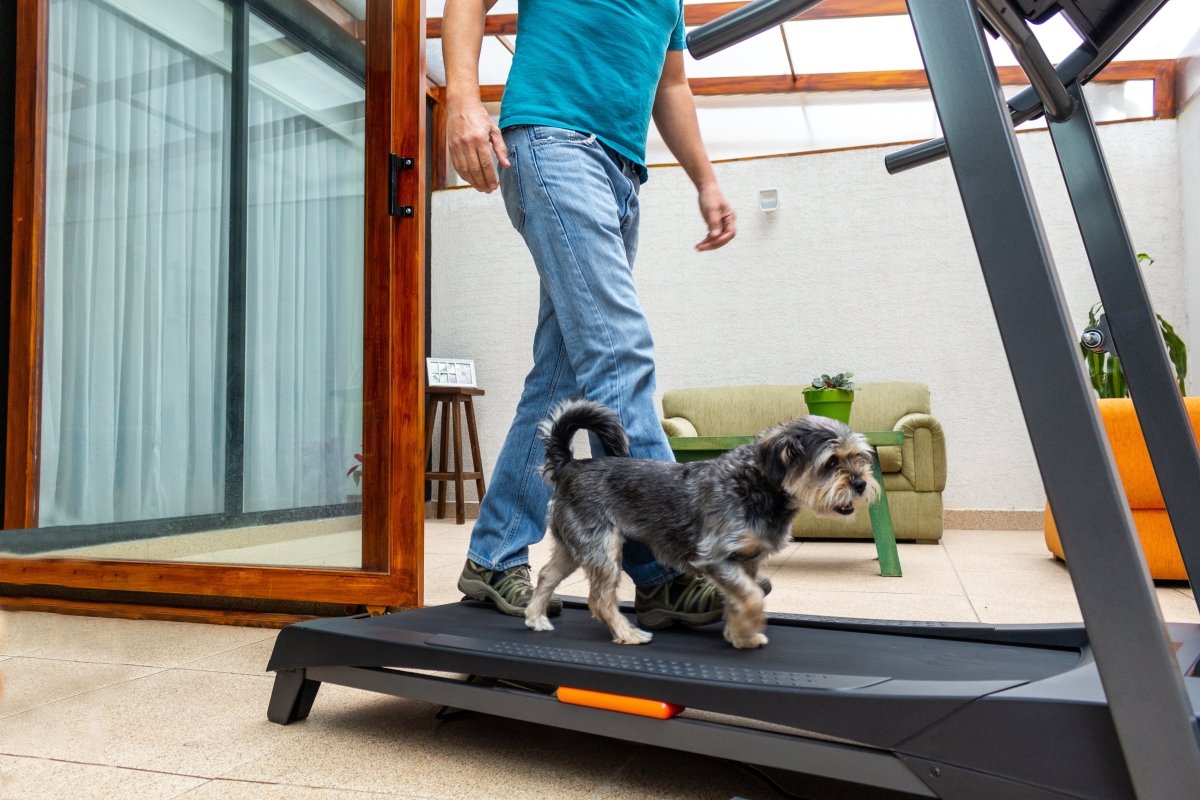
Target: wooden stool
(450, 399)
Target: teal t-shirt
(592, 66)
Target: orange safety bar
(618, 702)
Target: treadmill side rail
(1142, 681)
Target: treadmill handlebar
(742, 23)
(1024, 106)
(916, 156)
(1010, 24)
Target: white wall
(1189, 177)
(858, 270)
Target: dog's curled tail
(572, 416)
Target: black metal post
(1133, 326)
(235, 355)
(1143, 684)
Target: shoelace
(514, 583)
(699, 595)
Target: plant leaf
(1094, 367)
(1176, 351)
(1120, 386)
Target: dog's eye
(831, 465)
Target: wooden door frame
(393, 349)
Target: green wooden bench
(701, 448)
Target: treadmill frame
(1143, 680)
(1112, 584)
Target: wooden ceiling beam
(701, 13)
(494, 25)
(1159, 71)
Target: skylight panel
(765, 54)
(494, 60)
(865, 44)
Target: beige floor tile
(24, 631)
(854, 566)
(870, 605)
(121, 641)
(1028, 542)
(672, 775)
(42, 779)
(1015, 588)
(347, 559)
(1032, 610)
(1005, 562)
(441, 584)
(33, 682)
(455, 559)
(398, 746)
(1042, 593)
(250, 659)
(179, 721)
(343, 549)
(241, 790)
(783, 556)
(1176, 606)
(439, 544)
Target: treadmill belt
(817, 657)
(659, 666)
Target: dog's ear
(815, 434)
(776, 450)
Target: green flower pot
(832, 403)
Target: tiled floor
(102, 708)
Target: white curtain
(304, 327)
(136, 258)
(136, 278)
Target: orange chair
(1141, 488)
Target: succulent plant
(840, 381)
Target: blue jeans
(576, 205)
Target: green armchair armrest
(678, 426)
(924, 452)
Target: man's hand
(473, 137)
(718, 215)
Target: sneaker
(508, 590)
(687, 600)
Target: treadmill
(1106, 709)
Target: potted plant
(1104, 368)
(831, 396)
(355, 472)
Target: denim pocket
(546, 134)
(510, 190)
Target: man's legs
(576, 208)
(586, 290)
(580, 222)
(512, 515)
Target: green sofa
(914, 473)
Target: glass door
(215, 232)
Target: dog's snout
(859, 485)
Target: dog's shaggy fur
(720, 518)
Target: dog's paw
(635, 636)
(745, 642)
(538, 623)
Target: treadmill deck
(911, 668)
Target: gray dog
(721, 518)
